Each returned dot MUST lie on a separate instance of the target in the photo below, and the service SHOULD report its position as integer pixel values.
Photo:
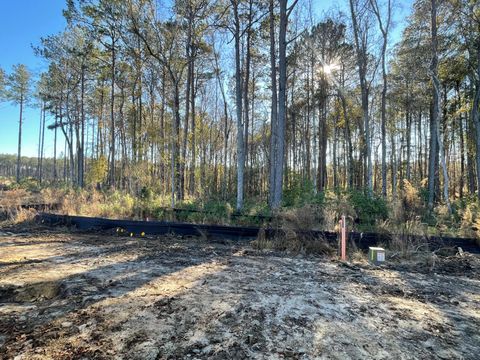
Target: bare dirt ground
(68, 295)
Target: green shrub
(301, 192)
(217, 211)
(29, 184)
(97, 172)
(368, 209)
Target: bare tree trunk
(163, 171)
(19, 151)
(193, 140)
(433, 151)
(282, 101)
(81, 155)
(362, 58)
(225, 126)
(409, 141)
(246, 82)
(420, 146)
(175, 141)
(42, 143)
(436, 108)
(476, 117)
(42, 109)
(462, 144)
(394, 167)
(238, 100)
(384, 29)
(183, 159)
(55, 173)
(112, 116)
(335, 168)
(274, 104)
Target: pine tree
(18, 92)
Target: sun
(330, 68)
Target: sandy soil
(67, 295)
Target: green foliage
(368, 209)
(28, 183)
(18, 84)
(97, 173)
(2, 84)
(301, 192)
(146, 193)
(119, 205)
(254, 207)
(219, 208)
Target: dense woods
(249, 99)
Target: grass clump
(293, 241)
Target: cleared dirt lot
(68, 295)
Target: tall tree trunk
(173, 136)
(193, 145)
(420, 146)
(175, 166)
(462, 143)
(274, 104)
(81, 155)
(163, 171)
(436, 106)
(383, 126)
(225, 126)
(238, 100)
(362, 58)
(409, 140)
(282, 104)
(183, 159)
(394, 167)
(335, 168)
(40, 140)
(42, 143)
(476, 117)
(348, 139)
(246, 82)
(19, 151)
(55, 173)
(384, 28)
(112, 116)
(432, 158)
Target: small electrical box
(376, 255)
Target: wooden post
(343, 241)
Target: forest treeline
(247, 98)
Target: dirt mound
(30, 292)
(460, 264)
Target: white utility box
(376, 255)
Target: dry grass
(336, 205)
(406, 239)
(95, 203)
(15, 215)
(358, 256)
(14, 197)
(306, 217)
(291, 232)
(294, 242)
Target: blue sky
(24, 22)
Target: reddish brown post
(343, 239)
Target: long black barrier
(150, 227)
(360, 240)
